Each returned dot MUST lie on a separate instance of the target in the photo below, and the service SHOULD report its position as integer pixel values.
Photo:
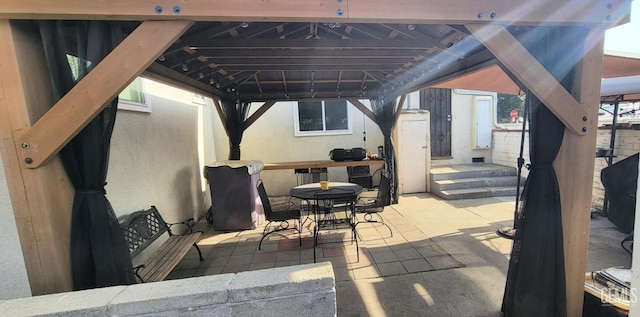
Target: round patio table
(337, 190)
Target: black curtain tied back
(99, 253)
(536, 283)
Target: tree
(506, 103)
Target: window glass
(310, 116)
(133, 92)
(335, 115)
(322, 117)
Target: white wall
(155, 157)
(462, 151)
(14, 282)
(271, 139)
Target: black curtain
(99, 253)
(235, 113)
(384, 111)
(536, 284)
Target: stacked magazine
(612, 286)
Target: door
(438, 102)
(413, 154)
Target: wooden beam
(173, 78)
(360, 106)
(398, 109)
(254, 117)
(89, 96)
(379, 11)
(515, 57)
(216, 103)
(41, 198)
(574, 169)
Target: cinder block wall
(627, 143)
(301, 290)
(506, 147)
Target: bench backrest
(143, 227)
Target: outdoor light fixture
(244, 24)
(411, 27)
(185, 67)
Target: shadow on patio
(444, 258)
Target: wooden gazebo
(279, 50)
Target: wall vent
(477, 159)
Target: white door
(413, 156)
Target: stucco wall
(13, 275)
(155, 159)
(461, 126)
(271, 139)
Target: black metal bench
(142, 228)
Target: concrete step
(471, 171)
(471, 193)
(467, 193)
(503, 191)
(462, 183)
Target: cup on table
(324, 185)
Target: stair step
(467, 193)
(503, 191)
(462, 183)
(471, 171)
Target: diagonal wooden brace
(526, 68)
(92, 93)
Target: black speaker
(337, 155)
(354, 154)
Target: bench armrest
(136, 269)
(189, 223)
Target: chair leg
(300, 231)
(368, 218)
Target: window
(131, 98)
(322, 118)
(134, 97)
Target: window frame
(130, 105)
(296, 122)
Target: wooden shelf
(318, 164)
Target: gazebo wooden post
(574, 168)
(41, 198)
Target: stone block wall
(301, 290)
(627, 143)
(506, 147)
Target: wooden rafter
(381, 11)
(515, 57)
(60, 124)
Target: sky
(626, 37)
